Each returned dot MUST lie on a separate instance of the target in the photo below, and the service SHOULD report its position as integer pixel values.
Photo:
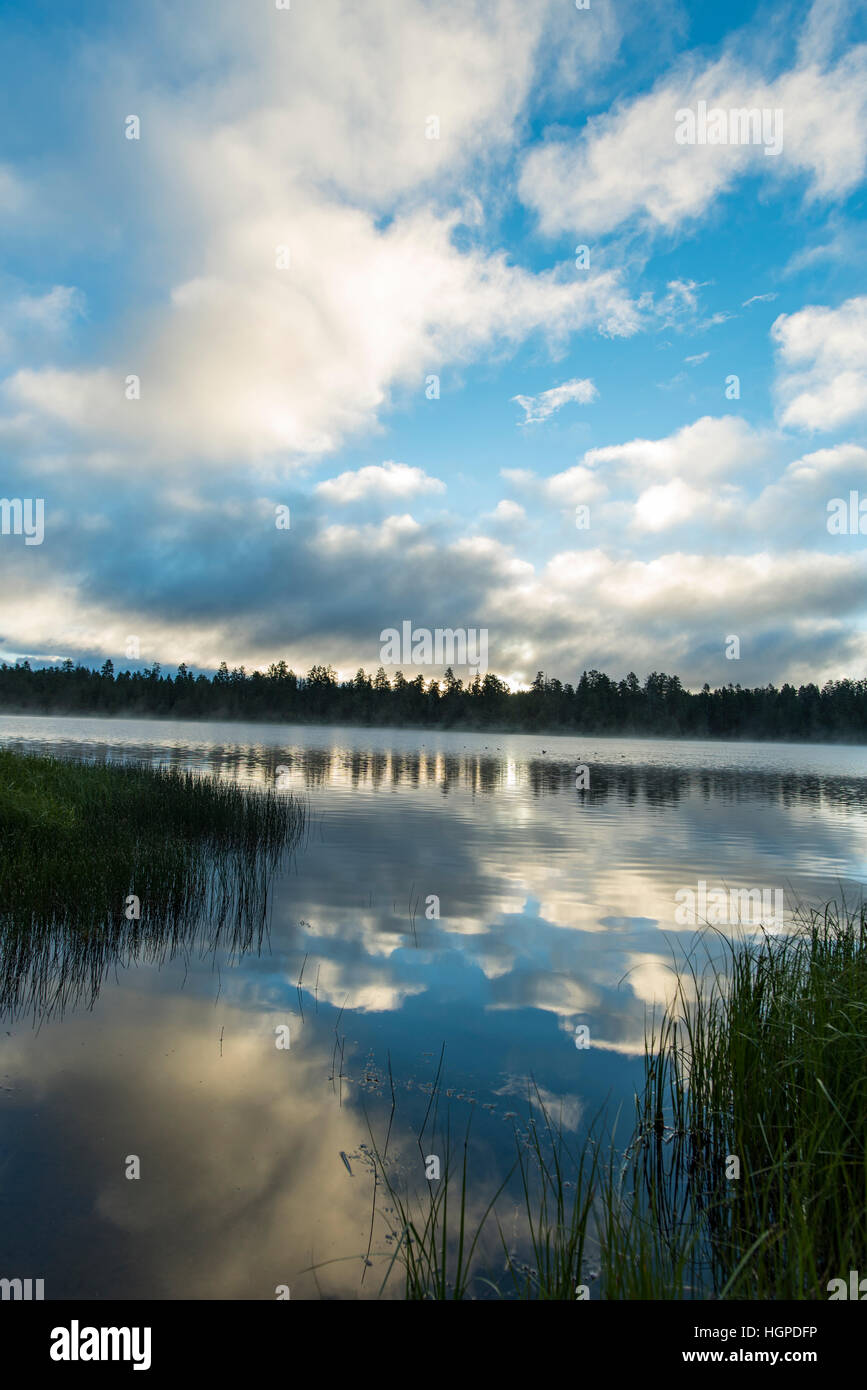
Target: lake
(452, 891)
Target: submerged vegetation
(745, 1176)
(597, 704)
(105, 862)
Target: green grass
(762, 1057)
(768, 1066)
(77, 839)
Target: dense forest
(597, 704)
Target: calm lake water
(556, 909)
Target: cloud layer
(341, 253)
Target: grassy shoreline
(103, 860)
(763, 1062)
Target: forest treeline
(596, 704)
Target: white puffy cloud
(387, 480)
(822, 365)
(626, 164)
(836, 464)
(684, 477)
(665, 505)
(314, 140)
(604, 604)
(394, 531)
(713, 447)
(704, 475)
(802, 493)
(253, 361)
(508, 512)
(566, 489)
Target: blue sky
(304, 385)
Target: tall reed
(745, 1176)
(77, 840)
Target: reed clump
(78, 840)
(752, 1122)
(745, 1175)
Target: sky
(339, 271)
